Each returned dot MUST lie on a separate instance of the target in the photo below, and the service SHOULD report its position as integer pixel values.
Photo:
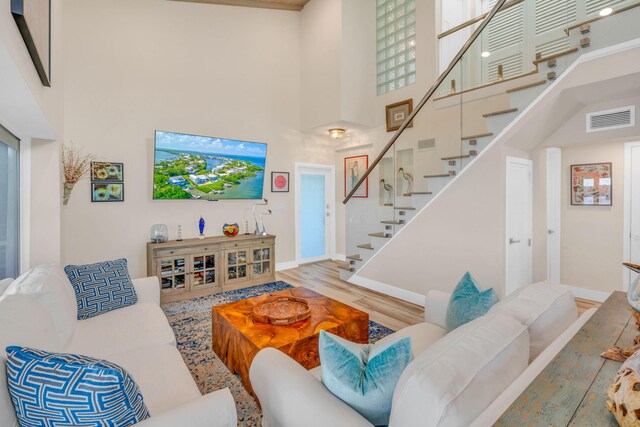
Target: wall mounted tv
(207, 168)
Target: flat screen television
(207, 168)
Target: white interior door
(315, 206)
(632, 214)
(519, 225)
(554, 216)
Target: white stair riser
(496, 124)
(434, 185)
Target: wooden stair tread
(480, 135)
(354, 257)
(365, 246)
(416, 192)
(555, 55)
(442, 175)
(347, 267)
(462, 156)
(408, 208)
(527, 86)
(381, 235)
(392, 221)
(497, 113)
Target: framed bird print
(354, 169)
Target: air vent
(427, 144)
(611, 119)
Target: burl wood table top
(326, 314)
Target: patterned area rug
(191, 323)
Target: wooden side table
(571, 390)
(236, 338)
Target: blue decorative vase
(201, 228)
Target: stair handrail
(496, 8)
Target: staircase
(385, 213)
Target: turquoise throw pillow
(364, 376)
(468, 302)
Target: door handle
(512, 241)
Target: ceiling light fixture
(336, 133)
(485, 54)
(606, 11)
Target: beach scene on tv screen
(206, 168)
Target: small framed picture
(354, 168)
(591, 184)
(107, 171)
(279, 182)
(107, 192)
(397, 113)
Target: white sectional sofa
(38, 310)
(469, 376)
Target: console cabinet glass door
(204, 267)
(262, 261)
(236, 265)
(173, 274)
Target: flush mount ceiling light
(606, 11)
(336, 133)
(485, 54)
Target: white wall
(136, 66)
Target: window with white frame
(396, 44)
(9, 204)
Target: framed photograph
(279, 182)
(397, 113)
(354, 168)
(33, 18)
(107, 172)
(591, 184)
(105, 192)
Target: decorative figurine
(246, 227)
(257, 231)
(407, 177)
(264, 231)
(179, 238)
(201, 228)
(389, 189)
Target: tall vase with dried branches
(76, 165)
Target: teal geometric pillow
(468, 303)
(55, 389)
(364, 376)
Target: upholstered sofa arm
(147, 289)
(435, 308)
(215, 409)
(292, 397)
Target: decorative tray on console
(282, 311)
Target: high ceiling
(265, 4)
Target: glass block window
(396, 44)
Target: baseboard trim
(588, 294)
(286, 265)
(340, 257)
(392, 291)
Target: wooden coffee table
(237, 338)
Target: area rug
(191, 323)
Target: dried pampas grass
(75, 164)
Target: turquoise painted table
(570, 391)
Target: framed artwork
(279, 182)
(107, 171)
(107, 192)
(397, 113)
(591, 184)
(354, 168)
(33, 18)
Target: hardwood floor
(323, 277)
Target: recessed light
(485, 54)
(606, 11)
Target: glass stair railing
(514, 52)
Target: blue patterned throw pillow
(468, 302)
(364, 376)
(49, 389)
(101, 287)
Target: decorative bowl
(282, 311)
(230, 230)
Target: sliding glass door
(9, 205)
